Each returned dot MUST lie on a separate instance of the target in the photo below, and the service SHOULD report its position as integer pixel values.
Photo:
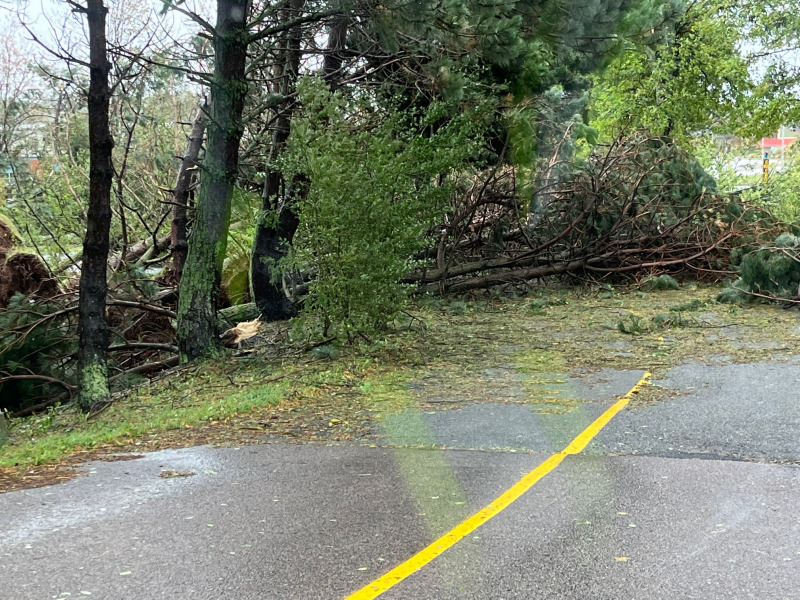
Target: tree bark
(271, 238)
(187, 172)
(200, 284)
(334, 58)
(92, 326)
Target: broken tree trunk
(271, 238)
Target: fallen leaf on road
(170, 474)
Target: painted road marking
(463, 529)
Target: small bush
(662, 282)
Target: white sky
(130, 23)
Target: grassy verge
(141, 413)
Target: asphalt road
(697, 496)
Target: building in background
(784, 137)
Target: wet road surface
(695, 496)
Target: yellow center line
(463, 529)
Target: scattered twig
(143, 346)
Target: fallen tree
(640, 206)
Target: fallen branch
(25, 412)
(769, 296)
(140, 369)
(146, 368)
(143, 346)
(159, 310)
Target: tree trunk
(187, 172)
(199, 287)
(271, 239)
(92, 326)
(337, 38)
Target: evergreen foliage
(41, 350)
(662, 282)
(771, 271)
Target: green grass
(41, 440)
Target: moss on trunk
(93, 384)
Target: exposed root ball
(25, 274)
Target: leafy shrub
(377, 182)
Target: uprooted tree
(637, 205)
